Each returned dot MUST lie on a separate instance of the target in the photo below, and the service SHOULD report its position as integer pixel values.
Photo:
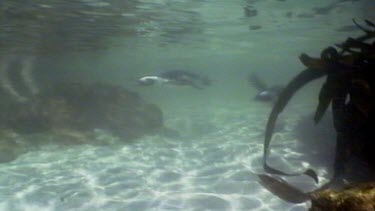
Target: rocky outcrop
(72, 112)
(359, 197)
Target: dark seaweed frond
(299, 81)
(287, 192)
(369, 23)
(361, 27)
(282, 189)
(349, 73)
(325, 98)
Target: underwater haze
(209, 144)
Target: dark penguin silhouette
(177, 77)
(265, 93)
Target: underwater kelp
(349, 89)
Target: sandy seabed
(210, 167)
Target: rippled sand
(209, 168)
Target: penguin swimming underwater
(151, 80)
(176, 77)
(265, 93)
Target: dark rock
(358, 197)
(9, 149)
(107, 107)
(80, 108)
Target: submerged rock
(87, 107)
(9, 148)
(359, 197)
(106, 107)
(70, 113)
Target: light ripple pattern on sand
(209, 172)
